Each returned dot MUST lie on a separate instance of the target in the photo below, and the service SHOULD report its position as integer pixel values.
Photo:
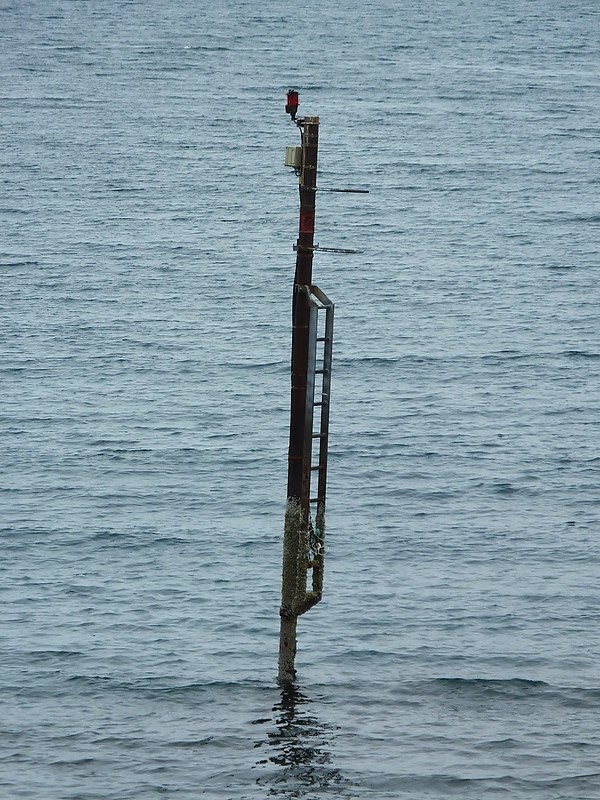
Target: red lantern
(291, 107)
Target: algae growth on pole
(312, 334)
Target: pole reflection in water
(299, 765)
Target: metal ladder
(317, 423)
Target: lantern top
(292, 103)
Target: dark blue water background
(146, 231)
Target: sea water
(146, 261)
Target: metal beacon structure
(312, 340)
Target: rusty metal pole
(298, 467)
(295, 539)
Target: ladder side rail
(325, 405)
(319, 526)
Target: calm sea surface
(146, 262)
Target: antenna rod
(352, 191)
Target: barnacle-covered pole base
(293, 586)
(303, 550)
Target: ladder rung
(318, 467)
(321, 371)
(318, 435)
(314, 499)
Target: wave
(510, 689)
